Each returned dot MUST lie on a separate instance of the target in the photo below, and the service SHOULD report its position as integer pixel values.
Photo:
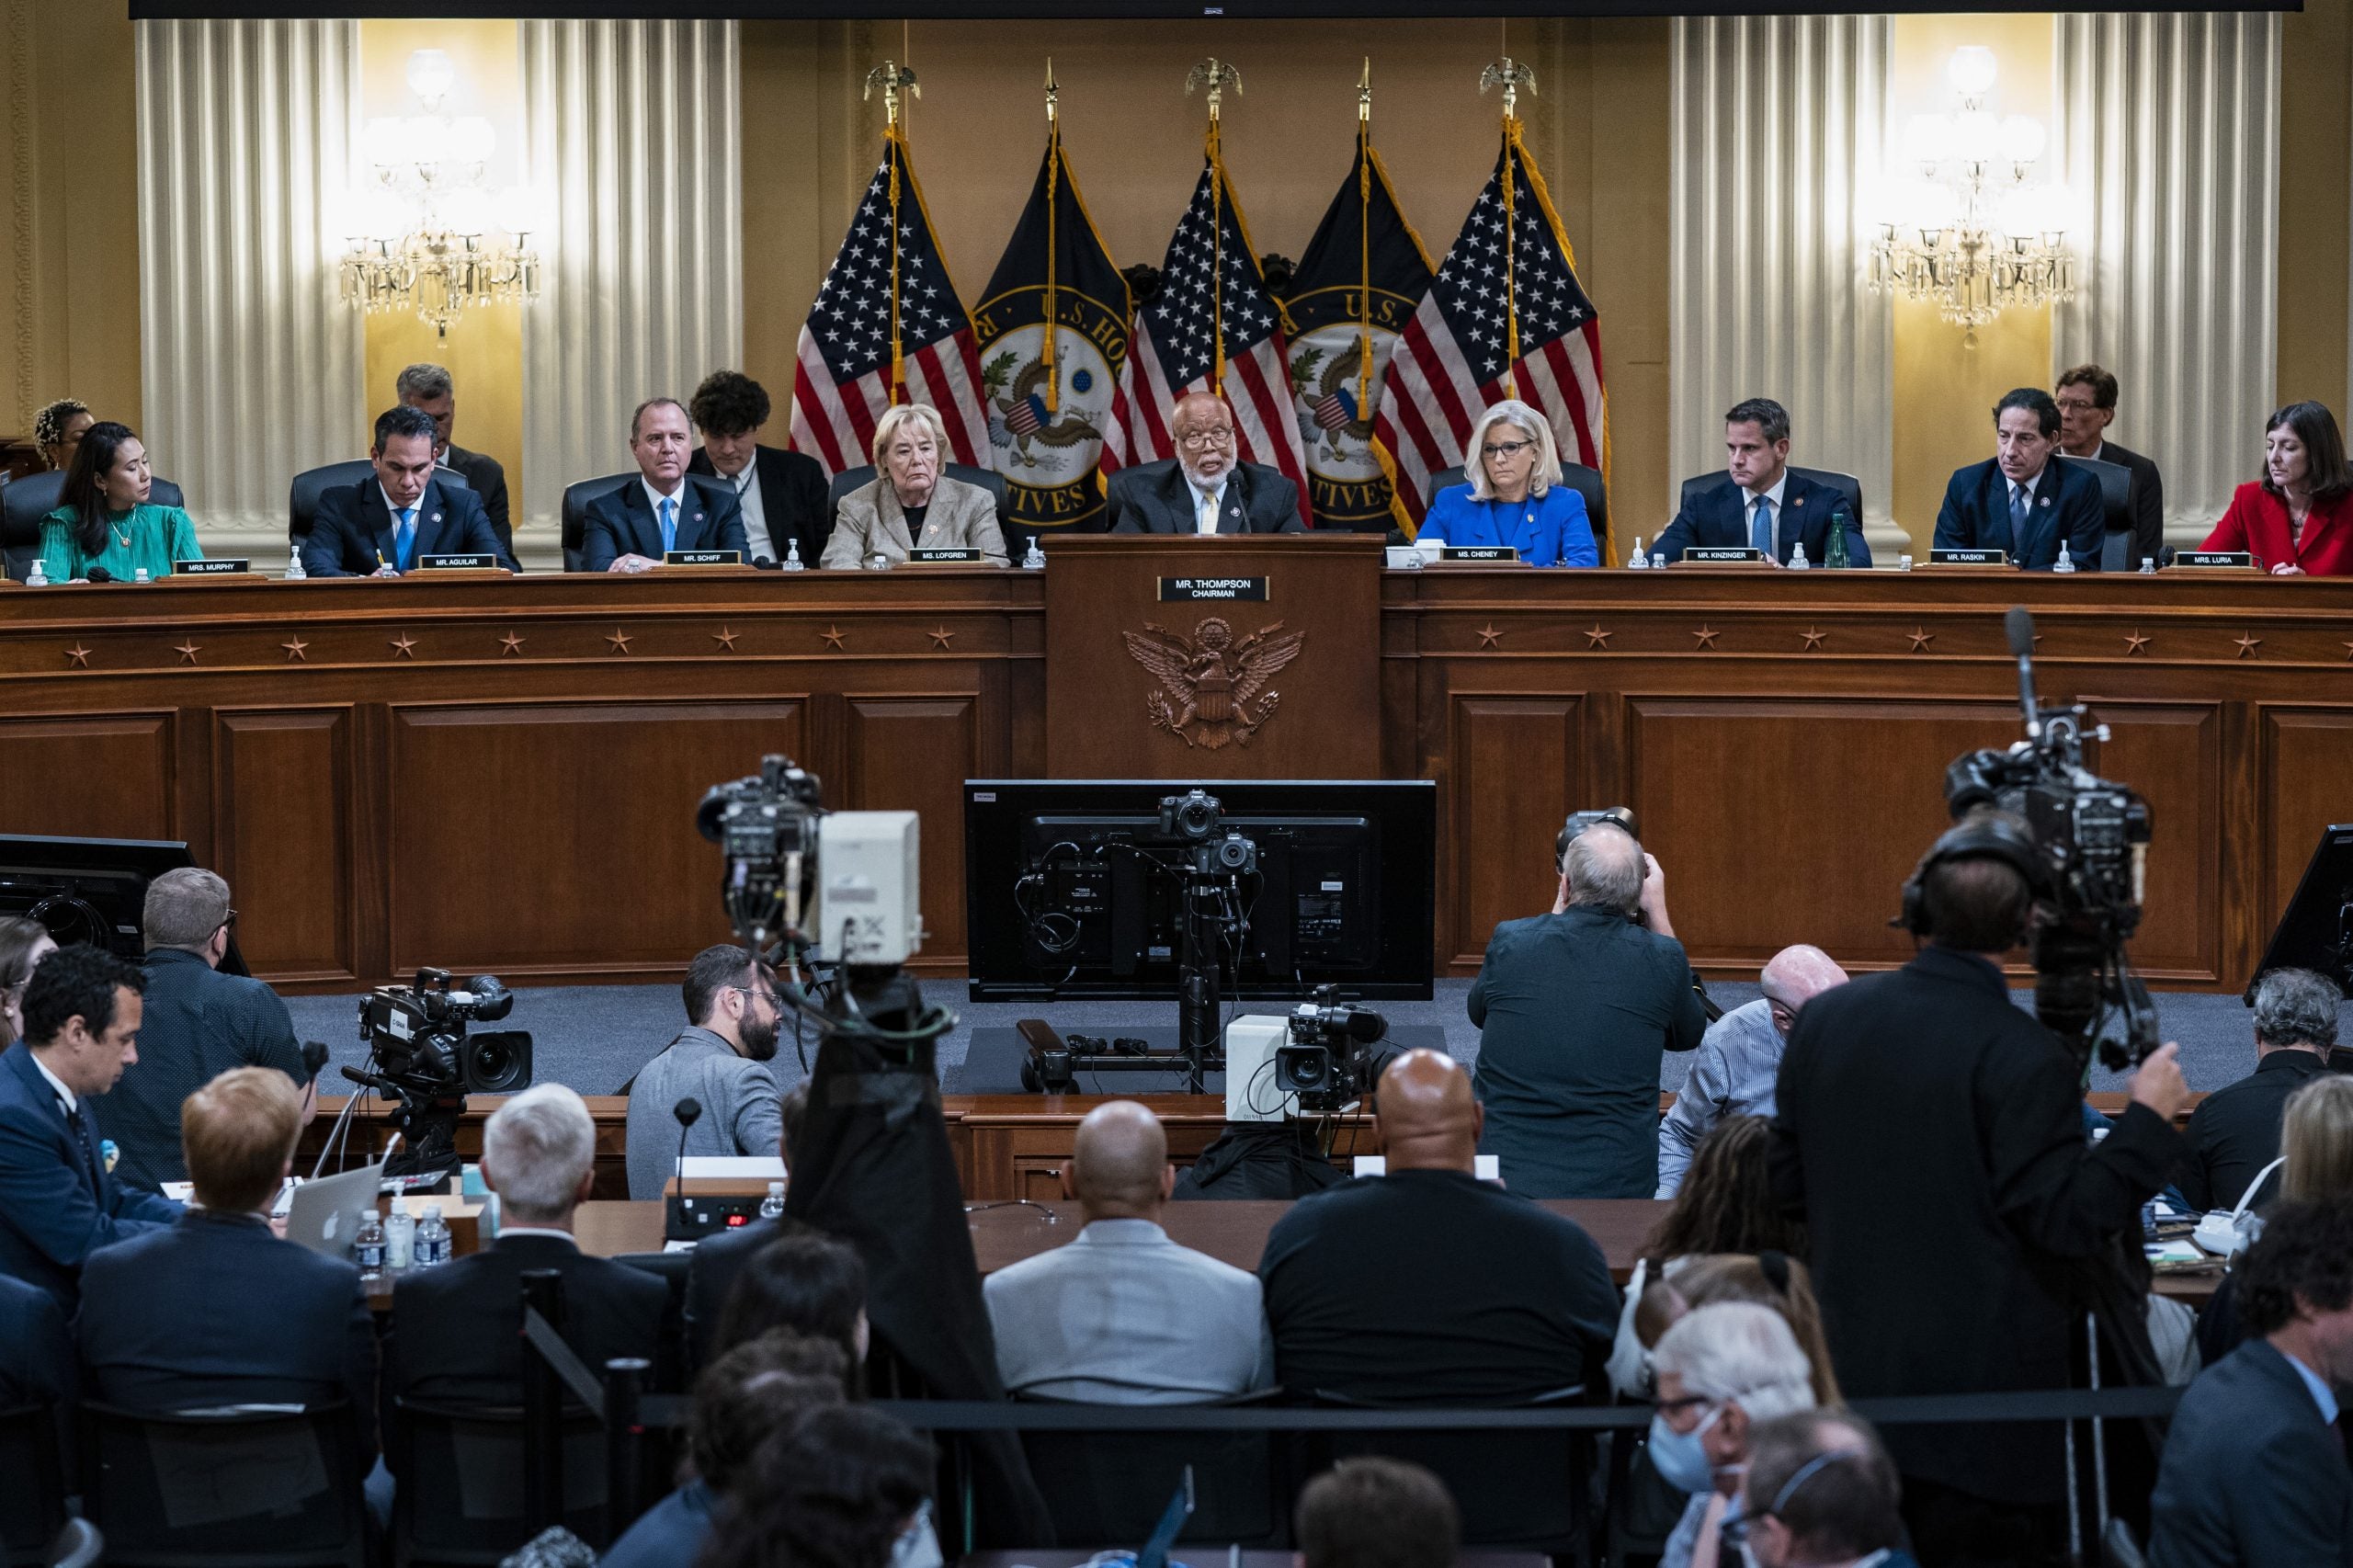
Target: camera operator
(1574, 1009)
(1930, 1134)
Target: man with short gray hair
(1740, 1057)
(1721, 1370)
(428, 390)
(2234, 1133)
(199, 1024)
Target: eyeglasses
(770, 997)
(1202, 440)
(1505, 449)
(228, 920)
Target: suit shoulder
(1967, 478)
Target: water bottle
(400, 1241)
(1658, 563)
(793, 562)
(432, 1238)
(1635, 560)
(1798, 563)
(2066, 562)
(1834, 555)
(1034, 559)
(2148, 564)
(139, 573)
(1904, 564)
(772, 1206)
(368, 1252)
(37, 578)
(294, 573)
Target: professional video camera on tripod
(421, 1057)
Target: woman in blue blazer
(1514, 496)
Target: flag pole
(1364, 238)
(890, 76)
(1053, 176)
(1216, 76)
(1510, 75)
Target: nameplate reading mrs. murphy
(220, 566)
(1252, 588)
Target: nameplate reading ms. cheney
(1251, 588)
(1210, 684)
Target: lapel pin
(698, 514)
(2046, 500)
(436, 516)
(1799, 502)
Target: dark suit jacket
(711, 1271)
(792, 498)
(2250, 1474)
(2146, 498)
(2234, 1132)
(352, 533)
(622, 523)
(2068, 506)
(36, 1353)
(1154, 498)
(487, 475)
(1718, 517)
(197, 1024)
(216, 1311)
(1931, 1134)
(57, 1204)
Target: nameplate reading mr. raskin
(703, 557)
(481, 560)
(1477, 552)
(1969, 558)
(1252, 588)
(1721, 553)
(943, 555)
(224, 567)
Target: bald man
(1740, 1058)
(1206, 488)
(1427, 1286)
(1124, 1315)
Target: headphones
(1990, 837)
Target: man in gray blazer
(720, 1061)
(1122, 1314)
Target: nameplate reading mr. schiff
(1722, 553)
(214, 568)
(481, 560)
(703, 557)
(1252, 588)
(1478, 552)
(943, 555)
(1969, 558)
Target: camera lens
(493, 1060)
(1303, 1070)
(1196, 818)
(1233, 853)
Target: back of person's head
(79, 981)
(753, 1390)
(1605, 870)
(834, 1488)
(2295, 1006)
(2302, 1264)
(237, 1133)
(1977, 903)
(2316, 1136)
(1725, 1203)
(1741, 1352)
(812, 1285)
(1120, 1160)
(184, 906)
(21, 943)
(536, 1151)
(1771, 1280)
(1376, 1513)
(792, 1115)
(729, 402)
(1821, 1478)
(709, 972)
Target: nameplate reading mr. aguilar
(1252, 588)
(223, 567)
(480, 560)
(703, 557)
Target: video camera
(423, 1059)
(1330, 1059)
(766, 828)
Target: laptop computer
(326, 1213)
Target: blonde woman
(1514, 496)
(910, 505)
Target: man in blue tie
(59, 1203)
(630, 529)
(1762, 501)
(2028, 500)
(403, 511)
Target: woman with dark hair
(841, 1487)
(107, 521)
(2297, 520)
(812, 1285)
(23, 944)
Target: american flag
(845, 348)
(1211, 275)
(1455, 356)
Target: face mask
(1679, 1457)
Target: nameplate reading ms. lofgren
(1252, 588)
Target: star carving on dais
(619, 641)
(2246, 644)
(940, 636)
(1596, 638)
(1489, 637)
(725, 639)
(2137, 643)
(1704, 638)
(1921, 638)
(81, 655)
(833, 637)
(2348, 652)
(510, 643)
(1813, 638)
(403, 646)
(297, 650)
(187, 649)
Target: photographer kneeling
(1574, 1009)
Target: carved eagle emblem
(1213, 688)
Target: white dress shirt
(756, 516)
(66, 1101)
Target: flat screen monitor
(2315, 931)
(91, 890)
(1069, 890)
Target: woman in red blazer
(2298, 519)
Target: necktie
(1760, 528)
(1204, 512)
(405, 538)
(86, 1156)
(670, 525)
(2021, 508)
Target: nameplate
(480, 560)
(943, 556)
(703, 557)
(2225, 560)
(1478, 552)
(1252, 588)
(1719, 554)
(214, 568)
(1969, 558)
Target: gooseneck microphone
(2019, 625)
(99, 574)
(688, 1111)
(678, 1222)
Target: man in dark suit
(2027, 500)
(36, 1353)
(1930, 1134)
(2087, 399)
(2254, 1471)
(1205, 489)
(782, 494)
(630, 529)
(1762, 503)
(2234, 1132)
(382, 526)
(456, 1334)
(58, 1201)
(429, 389)
(169, 1319)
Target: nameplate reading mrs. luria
(1478, 552)
(1722, 553)
(2229, 560)
(480, 560)
(703, 557)
(215, 568)
(943, 555)
(1252, 588)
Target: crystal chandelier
(1970, 232)
(428, 234)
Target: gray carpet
(594, 1037)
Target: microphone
(688, 1111)
(678, 1218)
(762, 563)
(314, 1056)
(100, 574)
(357, 1076)
(2020, 625)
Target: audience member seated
(197, 1024)
(811, 1284)
(1515, 495)
(713, 1267)
(1720, 1369)
(739, 1400)
(631, 528)
(2254, 1471)
(1427, 1286)
(2026, 500)
(456, 1334)
(2315, 1165)
(1574, 1009)
(218, 1310)
(782, 494)
(106, 522)
(1373, 1512)
(37, 1363)
(1771, 1280)
(58, 1203)
(2234, 1132)
(841, 1487)
(385, 524)
(57, 428)
(1205, 488)
(1740, 1057)
(2087, 400)
(1122, 1314)
(428, 390)
(1820, 1492)
(910, 506)
(1762, 506)
(721, 1061)
(2298, 518)
(23, 944)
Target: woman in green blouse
(107, 521)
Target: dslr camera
(1196, 826)
(1330, 1060)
